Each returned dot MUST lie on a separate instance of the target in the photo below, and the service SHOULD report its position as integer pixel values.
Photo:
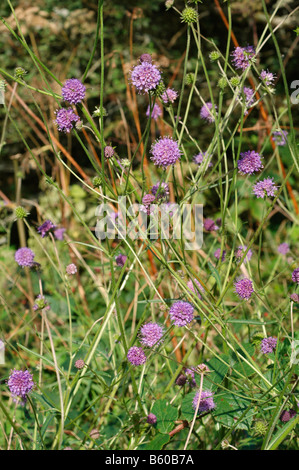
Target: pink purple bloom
(71, 269)
(145, 58)
(24, 257)
(79, 364)
(217, 254)
(136, 356)
(206, 112)
(108, 151)
(210, 225)
(145, 77)
(147, 201)
(169, 96)
(242, 57)
(181, 313)
(45, 228)
(73, 91)
(267, 77)
(268, 345)
(160, 190)
(200, 157)
(244, 288)
(20, 383)
(249, 97)
(65, 119)
(59, 233)
(286, 415)
(156, 112)
(280, 137)
(283, 248)
(165, 152)
(250, 162)
(151, 419)
(239, 253)
(295, 275)
(151, 334)
(206, 401)
(264, 188)
(120, 260)
(295, 298)
(190, 374)
(196, 288)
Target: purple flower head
(148, 199)
(59, 233)
(190, 374)
(240, 252)
(156, 112)
(136, 356)
(242, 57)
(151, 419)
(249, 97)
(181, 313)
(280, 137)
(108, 151)
(45, 228)
(206, 401)
(145, 77)
(205, 112)
(165, 152)
(160, 190)
(151, 334)
(24, 257)
(41, 303)
(268, 345)
(283, 248)
(200, 157)
(20, 383)
(264, 188)
(210, 225)
(218, 253)
(65, 119)
(267, 77)
(181, 380)
(295, 275)
(145, 58)
(120, 260)
(169, 96)
(244, 288)
(286, 415)
(295, 298)
(71, 269)
(73, 91)
(190, 285)
(250, 162)
(79, 364)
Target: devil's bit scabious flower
(165, 152)
(201, 157)
(108, 151)
(206, 401)
(244, 288)
(210, 225)
(279, 137)
(65, 119)
(295, 275)
(120, 260)
(145, 77)
(151, 419)
(264, 188)
(45, 228)
(242, 57)
(24, 257)
(295, 298)
(160, 190)
(283, 248)
(148, 199)
(240, 252)
(150, 334)
(156, 112)
(20, 383)
(136, 356)
(268, 345)
(249, 97)
(73, 91)
(286, 415)
(169, 96)
(267, 77)
(59, 233)
(71, 269)
(205, 112)
(145, 58)
(181, 313)
(250, 162)
(190, 374)
(190, 285)
(217, 254)
(79, 364)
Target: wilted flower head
(242, 56)
(268, 345)
(244, 288)
(73, 91)
(120, 260)
(249, 97)
(65, 119)
(190, 374)
(151, 334)
(264, 188)
(160, 190)
(210, 225)
(145, 77)
(20, 383)
(206, 112)
(71, 269)
(181, 313)
(280, 137)
(45, 228)
(136, 356)
(217, 254)
(151, 419)
(145, 58)
(24, 257)
(250, 162)
(156, 112)
(206, 401)
(267, 77)
(169, 96)
(295, 275)
(283, 248)
(181, 380)
(239, 253)
(286, 415)
(165, 152)
(59, 233)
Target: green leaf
(230, 408)
(282, 434)
(157, 443)
(166, 415)
(218, 370)
(215, 274)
